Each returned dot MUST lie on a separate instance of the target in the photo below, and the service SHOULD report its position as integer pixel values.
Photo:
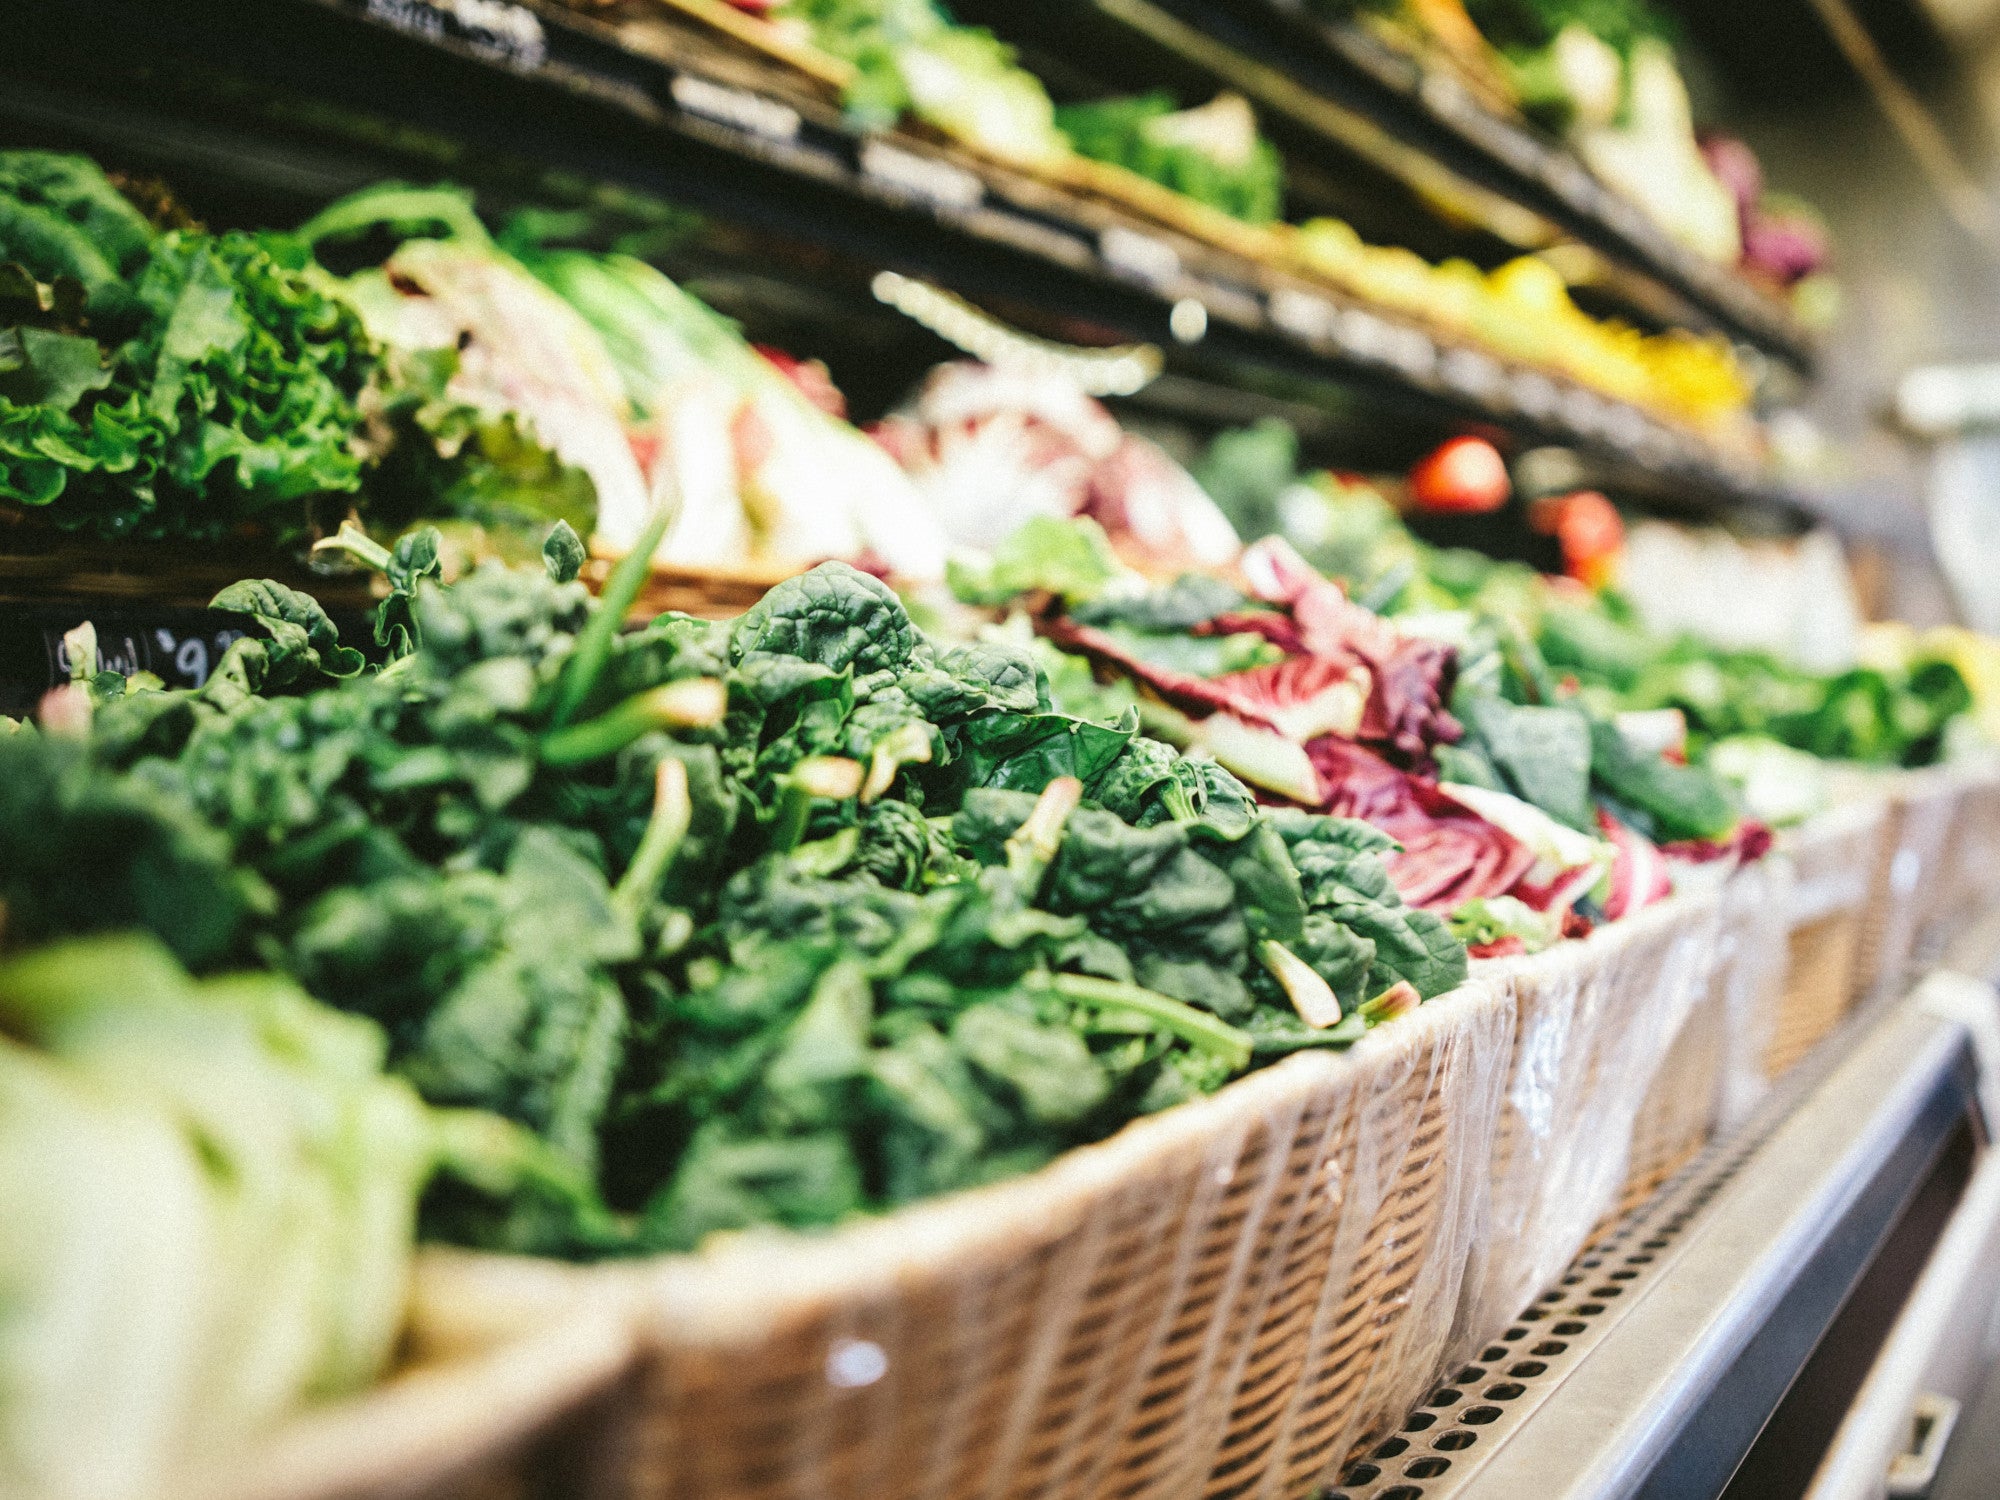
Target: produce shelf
(1725, 1326)
(1360, 94)
(666, 113)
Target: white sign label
(921, 176)
(1584, 411)
(1410, 351)
(1139, 255)
(1472, 372)
(1303, 315)
(738, 107)
(1534, 393)
(495, 29)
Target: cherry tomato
(1466, 475)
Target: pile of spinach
(773, 920)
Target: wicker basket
(1700, 1082)
(1840, 860)
(490, 1394)
(1222, 1299)
(1226, 1299)
(1598, 1021)
(1923, 806)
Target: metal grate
(1451, 1434)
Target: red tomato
(1589, 530)
(1465, 475)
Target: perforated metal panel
(1445, 1441)
(1456, 1432)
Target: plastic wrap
(1711, 1073)
(1754, 962)
(1923, 806)
(1962, 891)
(1222, 1299)
(1840, 861)
(1595, 1022)
(1225, 1299)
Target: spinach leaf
(1663, 800)
(304, 639)
(1544, 754)
(1025, 752)
(835, 616)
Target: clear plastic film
(1712, 1073)
(1906, 886)
(1596, 1021)
(1962, 891)
(1754, 930)
(1839, 860)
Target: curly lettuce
(178, 385)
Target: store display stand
(1800, 1312)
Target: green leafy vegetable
(1071, 559)
(217, 382)
(910, 56)
(212, 1194)
(775, 921)
(1212, 154)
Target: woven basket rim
(750, 1285)
(1607, 940)
(436, 1422)
(1905, 784)
(1846, 819)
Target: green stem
(692, 703)
(358, 545)
(1382, 593)
(593, 647)
(900, 747)
(1034, 845)
(828, 777)
(80, 645)
(397, 207)
(673, 811)
(1200, 1030)
(1398, 1000)
(1179, 803)
(1311, 996)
